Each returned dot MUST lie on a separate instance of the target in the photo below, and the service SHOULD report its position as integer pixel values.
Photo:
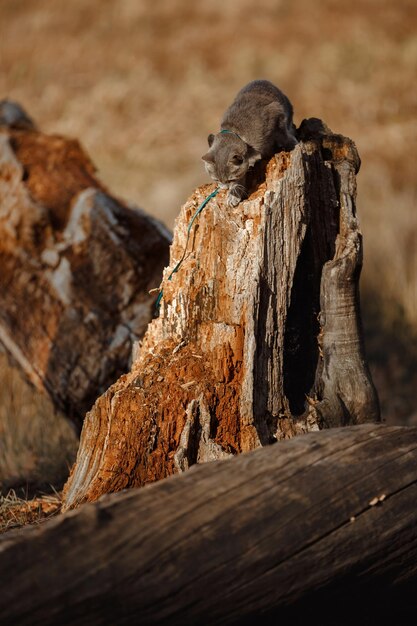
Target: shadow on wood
(322, 528)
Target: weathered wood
(343, 392)
(322, 528)
(238, 346)
(76, 267)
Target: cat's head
(229, 158)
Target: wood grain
(320, 528)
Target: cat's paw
(232, 200)
(237, 192)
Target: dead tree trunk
(76, 267)
(321, 529)
(263, 313)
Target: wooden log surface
(77, 265)
(320, 529)
(263, 313)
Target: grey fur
(260, 124)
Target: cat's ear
(210, 139)
(253, 156)
(209, 157)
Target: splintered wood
(259, 335)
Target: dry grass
(37, 446)
(142, 83)
(16, 512)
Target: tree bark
(76, 267)
(320, 529)
(263, 313)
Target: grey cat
(256, 125)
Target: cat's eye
(237, 160)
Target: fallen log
(263, 314)
(322, 528)
(76, 266)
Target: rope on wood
(178, 265)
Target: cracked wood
(259, 335)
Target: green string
(230, 132)
(178, 265)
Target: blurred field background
(141, 83)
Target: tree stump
(76, 267)
(321, 529)
(259, 334)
